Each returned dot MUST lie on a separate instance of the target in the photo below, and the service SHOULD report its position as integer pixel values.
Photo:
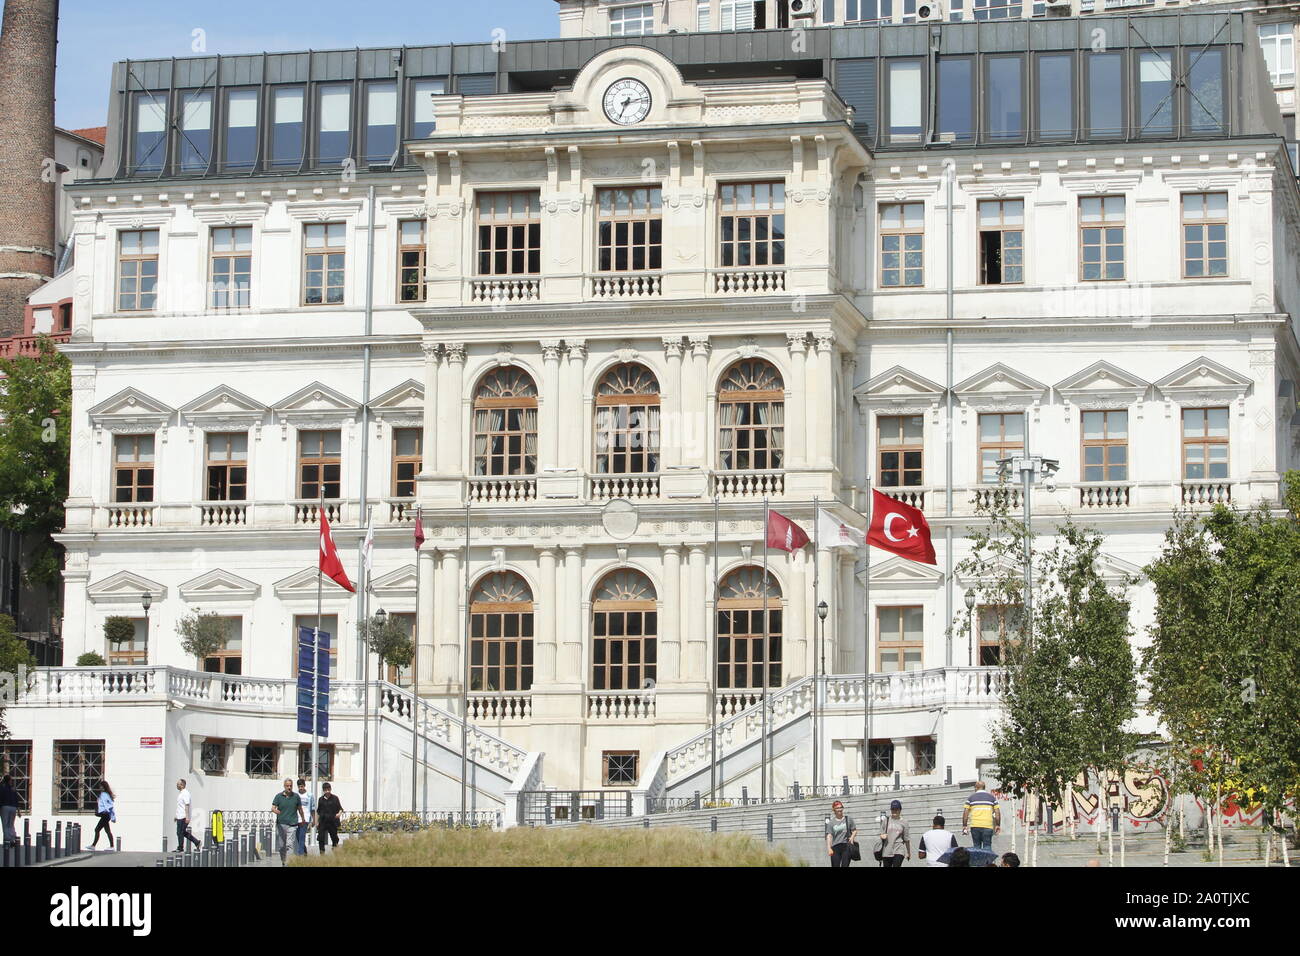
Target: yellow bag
(218, 824)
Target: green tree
(390, 642)
(90, 659)
(118, 630)
(35, 399)
(202, 635)
(16, 659)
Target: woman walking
(106, 814)
(841, 835)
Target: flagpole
(818, 635)
(713, 676)
(363, 592)
(866, 640)
(763, 775)
(415, 675)
(315, 661)
(464, 684)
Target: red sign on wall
(150, 743)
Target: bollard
(119, 844)
(769, 828)
(1114, 819)
(796, 791)
(58, 839)
(845, 785)
(646, 821)
(898, 780)
(1049, 820)
(164, 849)
(158, 863)
(40, 847)
(27, 847)
(744, 796)
(947, 777)
(713, 824)
(207, 837)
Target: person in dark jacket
(9, 809)
(328, 812)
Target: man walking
(183, 804)
(935, 842)
(9, 809)
(981, 818)
(309, 809)
(287, 807)
(896, 837)
(328, 811)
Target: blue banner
(313, 674)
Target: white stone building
(605, 310)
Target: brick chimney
(27, 174)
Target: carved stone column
(573, 629)
(820, 450)
(549, 426)
(429, 442)
(573, 388)
(544, 655)
(426, 638)
(696, 396)
(446, 668)
(672, 434)
(797, 417)
(696, 632)
(453, 409)
(670, 647)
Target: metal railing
(545, 807)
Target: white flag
(368, 551)
(833, 533)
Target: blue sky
(94, 34)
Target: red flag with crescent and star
(330, 565)
(900, 528)
(783, 533)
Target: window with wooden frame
(900, 637)
(401, 676)
(410, 261)
(627, 421)
(501, 634)
(407, 456)
(16, 763)
(1101, 238)
(132, 653)
(741, 630)
(137, 270)
(505, 423)
(1105, 446)
(751, 224)
(78, 769)
(629, 229)
(230, 267)
(899, 451)
(320, 464)
(1000, 627)
(230, 659)
(133, 469)
(329, 624)
(1002, 241)
(324, 762)
(1205, 444)
(624, 632)
(618, 768)
(902, 244)
(1002, 435)
(212, 756)
(751, 417)
(1205, 235)
(227, 466)
(324, 263)
(260, 760)
(509, 233)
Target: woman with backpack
(106, 814)
(841, 836)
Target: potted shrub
(118, 630)
(202, 635)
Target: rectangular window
(78, 768)
(904, 79)
(406, 460)
(241, 129)
(132, 653)
(319, 464)
(629, 230)
(137, 270)
(1002, 435)
(924, 754)
(900, 450)
(324, 762)
(997, 9)
(381, 122)
(212, 757)
(227, 466)
(149, 141)
(1101, 237)
(16, 763)
(1105, 95)
(260, 760)
(619, 768)
(287, 127)
(869, 11)
(902, 244)
(509, 234)
(1002, 241)
(195, 135)
(422, 116)
(410, 261)
(1004, 97)
(1205, 92)
(133, 466)
(333, 139)
(1278, 42)
(880, 757)
(1105, 446)
(1000, 626)
(1055, 96)
(702, 16)
(1155, 93)
(329, 624)
(737, 14)
(228, 660)
(324, 257)
(633, 21)
(752, 224)
(901, 632)
(1205, 235)
(1205, 444)
(956, 100)
(231, 267)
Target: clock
(627, 101)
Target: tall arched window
(505, 423)
(624, 628)
(751, 417)
(501, 634)
(627, 421)
(741, 631)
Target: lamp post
(380, 618)
(970, 627)
(1029, 467)
(822, 610)
(146, 601)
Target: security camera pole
(1028, 466)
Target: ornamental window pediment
(1203, 382)
(223, 409)
(1000, 387)
(899, 391)
(315, 404)
(219, 585)
(125, 587)
(130, 411)
(1102, 385)
(402, 406)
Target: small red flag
(419, 529)
(330, 565)
(783, 533)
(900, 528)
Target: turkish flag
(900, 528)
(330, 565)
(419, 529)
(783, 533)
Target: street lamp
(1029, 467)
(970, 628)
(146, 601)
(822, 610)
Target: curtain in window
(652, 437)
(482, 422)
(530, 441)
(726, 437)
(604, 437)
(776, 412)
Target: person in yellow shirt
(981, 818)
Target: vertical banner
(313, 674)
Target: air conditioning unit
(929, 11)
(803, 9)
(1058, 8)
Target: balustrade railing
(400, 510)
(129, 516)
(436, 724)
(223, 514)
(495, 490)
(730, 704)
(1207, 493)
(504, 291)
(1104, 497)
(986, 497)
(502, 706)
(634, 285)
(748, 281)
(915, 497)
(307, 511)
(620, 705)
(747, 484)
(633, 487)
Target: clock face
(627, 101)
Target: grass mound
(575, 846)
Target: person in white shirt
(309, 809)
(935, 843)
(183, 803)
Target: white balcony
(505, 706)
(624, 285)
(746, 484)
(632, 487)
(1206, 493)
(504, 292)
(747, 281)
(223, 514)
(482, 489)
(128, 517)
(616, 705)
